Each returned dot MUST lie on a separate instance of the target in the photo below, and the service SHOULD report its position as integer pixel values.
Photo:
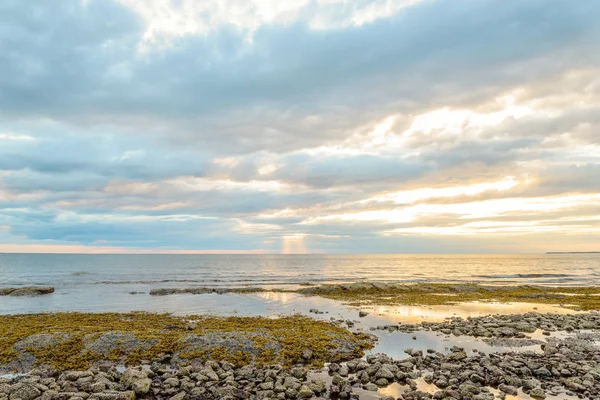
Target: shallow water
(269, 270)
(103, 282)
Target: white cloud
(15, 137)
(168, 19)
(411, 196)
(466, 210)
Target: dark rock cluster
(513, 325)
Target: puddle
(395, 390)
(523, 396)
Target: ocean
(96, 283)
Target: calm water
(104, 282)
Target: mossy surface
(165, 335)
(584, 298)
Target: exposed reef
(76, 340)
(26, 291)
(367, 293)
(578, 298)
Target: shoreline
(349, 341)
(577, 298)
(565, 361)
(378, 294)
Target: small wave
(514, 276)
(79, 273)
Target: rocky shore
(507, 326)
(566, 362)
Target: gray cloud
(216, 142)
(82, 64)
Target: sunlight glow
(293, 244)
(411, 196)
(469, 210)
(497, 227)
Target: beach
(360, 340)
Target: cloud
(373, 126)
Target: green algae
(164, 334)
(361, 294)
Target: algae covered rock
(27, 291)
(79, 340)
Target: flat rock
(27, 291)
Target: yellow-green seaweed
(165, 333)
(584, 298)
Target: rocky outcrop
(26, 291)
(99, 348)
(204, 290)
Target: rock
(484, 396)
(362, 314)
(542, 372)
(24, 391)
(344, 371)
(179, 396)
(141, 386)
(384, 372)
(537, 393)
(299, 373)
(371, 387)
(172, 382)
(468, 390)
(307, 354)
(210, 374)
(98, 387)
(529, 384)
(382, 382)
(76, 375)
(27, 291)
(132, 375)
(305, 392)
(318, 386)
(508, 389)
(267, 386)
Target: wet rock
(508, 389)
(27, 291)
(537, 393)
(384, 372)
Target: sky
(299, 126)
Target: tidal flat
(369, 293)
(314, 342)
